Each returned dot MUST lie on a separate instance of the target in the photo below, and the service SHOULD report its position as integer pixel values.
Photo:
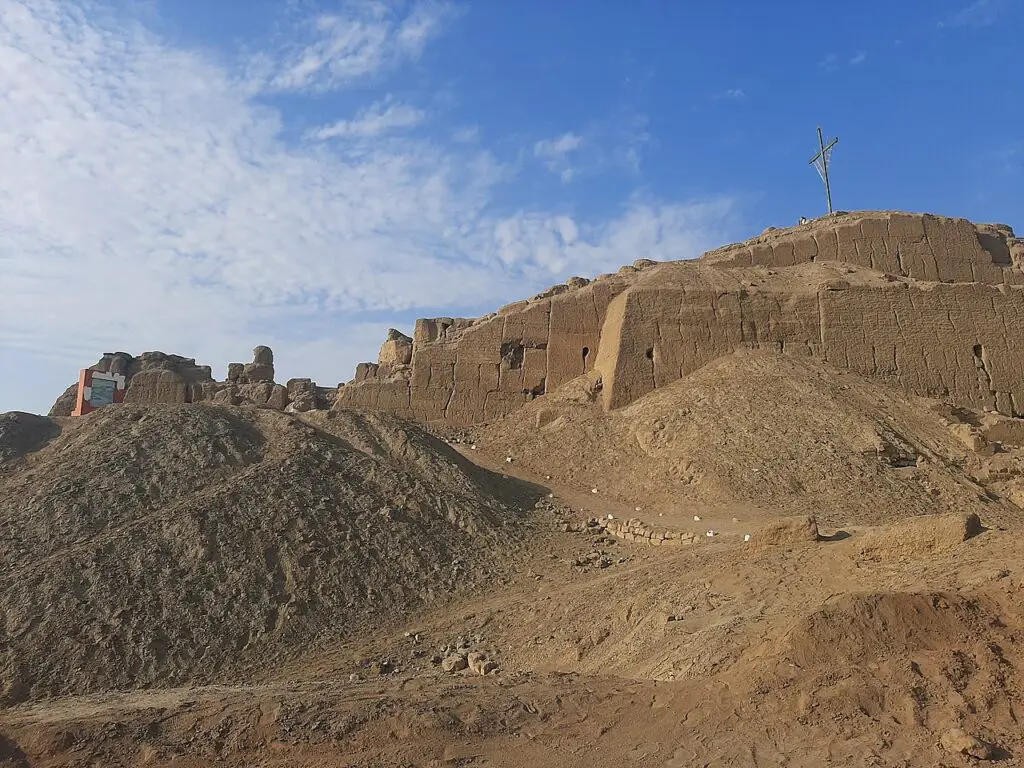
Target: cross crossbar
(822, 157)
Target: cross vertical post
(820, 162)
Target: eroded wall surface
(929, 303)
(953, 341)
(928, 248)
(468, 371)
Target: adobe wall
(932, 304)
(957, 342)
(156, 377)
(467, 371)
(924, 247)
(941, 324)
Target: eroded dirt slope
(800, 654)
(150, 545)
(764, 433)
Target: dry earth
(152, 545)
(766, 434)
(890, 635)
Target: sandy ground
(893, 638)
(814, 653)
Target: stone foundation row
(634, 530)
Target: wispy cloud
(981, 13)
(379, 118)
(148, 200)
(556, 153)
(331, 51)
(616, 142)
(1010, 159)
(558, 147)
(732, 94)
(662, 231)
(467, 135)
(834, 61)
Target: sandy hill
(22, 433)
(756, 434)
(161, 544)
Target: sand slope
(153, 545)
(768, 433)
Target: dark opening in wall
(998, 247)
(586, 354)
(981, 363)
(537, 391)
(650, 353)
(512, 353)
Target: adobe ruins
(929, 303)
(156, 377)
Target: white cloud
(148, 201)
(558, 147)
(337, 49)
(644, 229)
(733, 94)
(424, 22)
(616, 142)
(380, 117)
(555, 154)
(833, 61)
(469, 135)
(981, 13)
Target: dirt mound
(789, 530)
(859, 628)
(150, 545)
(22, 433)
(766, 432)
(910, 667)
(918, 537)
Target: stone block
(256, 372)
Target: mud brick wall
(932, 304)
(469, 371)
(637, 531)
(958, 342)
(926, 248)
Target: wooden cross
(820, 162)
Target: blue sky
(200, 177)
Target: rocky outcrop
(261, 368)
(156, 377)
(929, 303)
(152, 377)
